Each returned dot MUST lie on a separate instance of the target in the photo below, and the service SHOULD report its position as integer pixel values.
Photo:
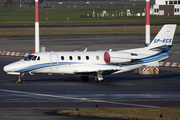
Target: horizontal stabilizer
(164, 47)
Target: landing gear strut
(19, 80)
(99, 78)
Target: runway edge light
(96, 106)
(76, 110)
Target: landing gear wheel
(98, 81)
(84, 78)
(19, 80)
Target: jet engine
(117, 57)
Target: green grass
(58, 15)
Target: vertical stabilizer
(164, 37)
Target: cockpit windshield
(31, 57)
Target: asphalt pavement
(41, 95)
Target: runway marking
(72, 98)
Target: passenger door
(54, 62)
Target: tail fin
(164, 38)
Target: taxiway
(42, 92)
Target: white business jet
(96, 63)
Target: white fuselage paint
(97, 63)
(71, 62)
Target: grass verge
(70, 15)
(66, 31)
(127, 113)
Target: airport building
(166, 7)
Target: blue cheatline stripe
(34, 67)
(44, 65)
(160, 53)
(155, 57)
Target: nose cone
(7, 68)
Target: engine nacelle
(117, 57)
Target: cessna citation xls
(96, 63)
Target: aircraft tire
(19, 80)
(98, 81)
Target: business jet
(96, 63)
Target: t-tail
(164, 39)
(162, 43)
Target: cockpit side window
(28, 58)
(38, 58)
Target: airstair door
(54, 62)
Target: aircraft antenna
(85, 50)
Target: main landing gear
(98, 78)
(19, 80)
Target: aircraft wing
(93, 72)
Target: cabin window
(62, 57)
(28, 58)
(79, 58)
(97, 57)
(87, 57)
(70, 57)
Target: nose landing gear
(19, 80)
